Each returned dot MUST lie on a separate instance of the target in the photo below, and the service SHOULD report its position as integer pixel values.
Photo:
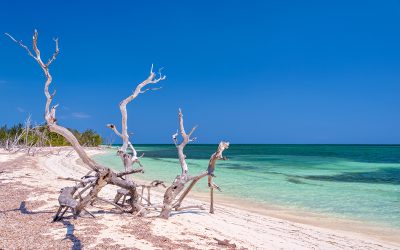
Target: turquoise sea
(360, 182)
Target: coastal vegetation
(28, 135)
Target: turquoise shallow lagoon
(359, 182)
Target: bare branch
(214, 157)
(153, 89)
(55, 53)
(151, 79)
(22, 45)
(138, 170)
(180, 147)
(170, 196)
(191, 132)
(50, 114)
(174, 138)
(134, 153)
(103, 175)
(180, 181)
(114, 128)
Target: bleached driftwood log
(180, 181)
(91, 185)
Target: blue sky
(244, 71)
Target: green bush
(87, 138)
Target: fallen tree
(76, 198)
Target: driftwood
(103, 175)
(124, 194)
(129, 158)
(211, 168)
(180, 181)
(85, 191)
(210, 172)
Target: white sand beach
(29, 190)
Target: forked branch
(50, 114)
(103, 176)
(151, 79)
(130, 159)
(186, 138)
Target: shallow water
(359, 182)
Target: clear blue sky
(244, 71)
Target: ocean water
(360, 182)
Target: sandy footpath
(29, 190)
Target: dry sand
(29, 190)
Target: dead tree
(211, 168)
(129, 158)
(76, 198)
(180, 181)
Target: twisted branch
(104, 175)
(186, 139)
(50, 114)
(130, 159)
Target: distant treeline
(40, 135)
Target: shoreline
(329, 221)
(379, 231)
(192, 229)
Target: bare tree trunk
(211, 200)
(103, 175)
(129, 159)
(210, 172)
(179, 183)
(88, 188)
(180, 180)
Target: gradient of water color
(359, 182)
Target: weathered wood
(58, 212)
(58, 217)
(132, 171)
(180, 180)
(187, 190)
(211, 200)
(130, 159)
(50, 113)
(104, 175)
(179, 183)
(66, 198)
(120, 193)
(210, 172)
